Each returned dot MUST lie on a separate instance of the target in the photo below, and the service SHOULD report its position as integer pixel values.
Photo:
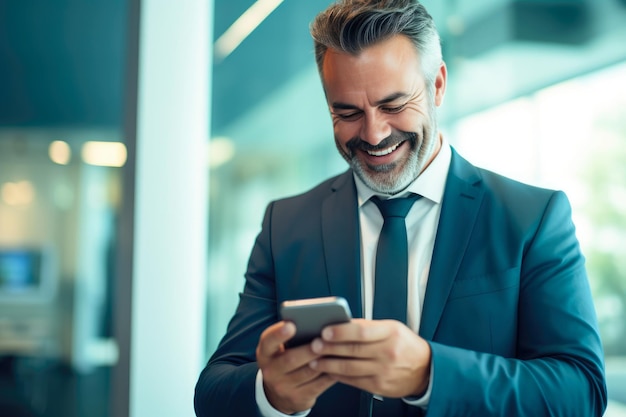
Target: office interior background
(141, 140)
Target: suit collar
(341, 239)
(461, 201)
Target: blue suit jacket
(508, 310)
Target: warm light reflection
(221, 150)
(60, 152)
(243, 26)
(21, 193)
(107, 154)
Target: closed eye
(348, 116)
(396, 109)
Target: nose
(375, 128)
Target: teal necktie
(392, 259)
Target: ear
(440, 84)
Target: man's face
(383, 114)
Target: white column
(168, 303)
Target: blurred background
(141, 140)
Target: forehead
(392, 64)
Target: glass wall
(57, 257)
(62, 69)
(271, 137)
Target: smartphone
(311, 315)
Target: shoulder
(504, 196)
(293, 221)
(499, 187)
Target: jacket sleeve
(226, 385)
(558, 366)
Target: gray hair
(352, 25)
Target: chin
(386, 182)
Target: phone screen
(313, 314)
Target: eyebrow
(390, 98)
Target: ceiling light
(107, 154)
(60, 152)
(20, 193)
(221, 150)
(244, 26)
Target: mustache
(356, 143)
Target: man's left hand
(383, 357)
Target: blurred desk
(26, 350)
(27, 338)
(21, 347)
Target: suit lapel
(461, 201)
(341, 239)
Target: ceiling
(62, 62)
(277, 51)
(268, 89)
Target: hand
(383, 357)
(290, 384)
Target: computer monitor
(27, 275)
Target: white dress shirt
(421, 225)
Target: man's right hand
(290, 384)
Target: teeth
(384, 151)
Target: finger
(303, 384)
(294, 359)
(272, 339)
(353, 350)
(315, 387)
(362, 382)
(361, 330)
(381, 386)
(346, 367)
(372, 385)
(304, 376)
(363, 376)
(300, 397)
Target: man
(499, 318)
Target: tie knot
(395, 207)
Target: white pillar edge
(171, 207)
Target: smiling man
(469, 289)
(383, 111)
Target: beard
(395, 177)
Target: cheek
(410, 121)
(345, 131)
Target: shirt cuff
(424, 400)
(264, 405)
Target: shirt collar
(429, 184)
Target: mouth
(383, 152)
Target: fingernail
(317, 346)
(313, 364)
(288, 328)
(327, 334)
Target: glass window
(62, 70)
(571, 136)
